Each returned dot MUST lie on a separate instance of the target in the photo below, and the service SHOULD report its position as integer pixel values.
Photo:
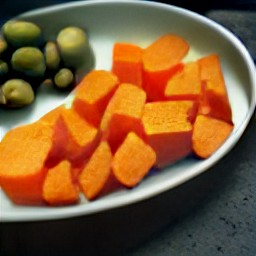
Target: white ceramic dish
(138, 22)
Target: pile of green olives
(27, 60)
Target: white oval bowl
(138, 22)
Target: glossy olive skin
(3, 45)
(29, 61)
(20, 33)
(17, 93)
(64, 79)
(52, 55)
(73, 45)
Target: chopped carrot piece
(209, 134)
(58, 187)
(23, 152)
(52, 116)
(74, 138)
(123, 114)
(133, 160)
(169, 129)
(52, 119)
(186, 84)
(93, 93)
(96, 172)
(161, 60)
(215, 102)
(127, 63)
(82, 136)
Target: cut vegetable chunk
(133, 160)
(96, 172)
(161, 60)
(23, 152)
(74, 138)
(186, 84)
(169, 129)
(209, 134)
(215, 102)
(123, 114)
(127, 63)
(52, 116)
(81, 139)
(58, 187)
(93, 93)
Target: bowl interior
(138, 22)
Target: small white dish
(138, 22)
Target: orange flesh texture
(133, 160)
(215, 102)
(169, 129)
(52, 116)
(60, 135)
(123, 114)
(82, 136)
(93, 93)
(58, 187)
(127, 63)
(161, 60)
(23, 152)
(209, 134)
(186, 84)
(96, 172)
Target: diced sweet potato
(93, 93)
(209, 134)
(96, 172)
(82, 137)
(127, 63)
(123, 114)
(52, 116)
(133, 160)
(169, 129)
(58, 187)
(215, 100)
(23, 152)
(186, 84)
(161, 60)
(74, 138)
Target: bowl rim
(153, 189)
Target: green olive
(3, 45)
(73, 45)
(3, 68)
(22, 33)
(17, 93)
(52, 56)
(2, 97)
(29, 61)
(64, 78)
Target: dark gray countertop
(213, 214)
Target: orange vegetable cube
(161, 60)
(23, 152)
(74, 138)
(215, 100)
(58, 187)
(186, 84)
(209, 134)
(82, 136)
(123, 114)
(127, 63)
(52, 116)
(169, 129)
(96, 172)
(93, 93)
(133, 160)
